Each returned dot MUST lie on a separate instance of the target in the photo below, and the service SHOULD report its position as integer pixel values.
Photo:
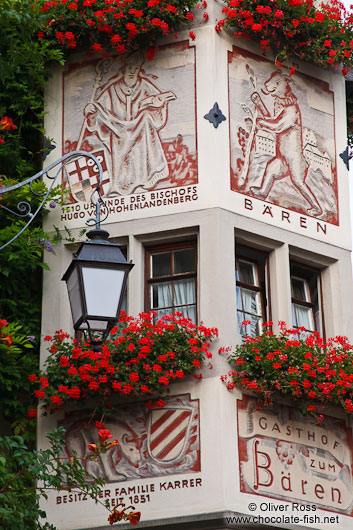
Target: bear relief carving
(277, 155)
(286, 125)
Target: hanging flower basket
(111, 25)
(141, 358)
(294, 29)
(312, 371)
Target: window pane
(300, 289)
(188, 311)
(162, 312)
(168, 290)
(184, 292)
(305, 288)
(253, 329)
(238, 297)
(294, 318)
(303, 317)
(251, 301)
(240, 319)
(162, 295)
(184, 260)
(161, 264)
(247, 272)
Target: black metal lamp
(96, 282)
(96, 278)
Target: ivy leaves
(22, 469)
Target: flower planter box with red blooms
(314, 372)
(295, 29)
(113, 25)
(141, 358)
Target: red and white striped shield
(168, 433)
(82, 174)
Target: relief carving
(279, 154)
(152, 443)
(125, 112)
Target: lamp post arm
(24, 209)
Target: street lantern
(96, 282)
(96, 278)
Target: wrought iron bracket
(24, 209)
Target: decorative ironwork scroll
(24, 209)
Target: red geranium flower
(96, 46)
(104, 434)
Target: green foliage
(17, 362)
(23, 259)
(24, 70)
(26, 475)
(349, 110)
(320, 33)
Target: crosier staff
(260, 107)
(102, 67)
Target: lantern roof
(98, 249)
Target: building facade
(224, 185)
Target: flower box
(294, 29)
(142, 357)
(313, 373)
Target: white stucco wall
(216, 218)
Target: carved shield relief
(152, 442)
(168, 433)
(82, 176)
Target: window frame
(254, 256)
(309, 274)
(149, 281)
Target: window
(250, 275)
(171, 279)
(305, 298)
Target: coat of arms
(168, 433)
(152, 442)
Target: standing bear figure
(286, 125)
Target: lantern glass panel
(73, 287)
(102, 290)
(94, 325)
